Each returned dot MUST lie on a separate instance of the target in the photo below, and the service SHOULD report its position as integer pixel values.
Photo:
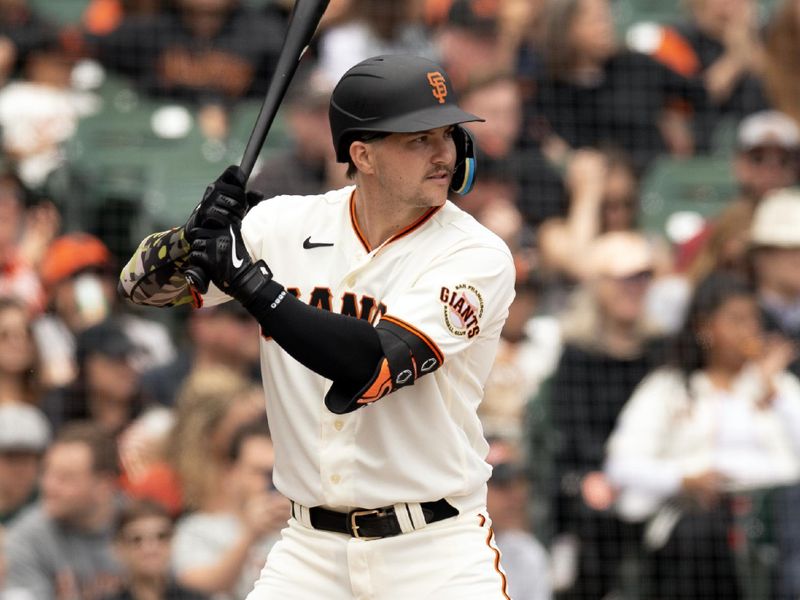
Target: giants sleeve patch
(462, 309)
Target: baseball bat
(303, 22)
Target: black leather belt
(373, 523)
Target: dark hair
(31, 378)
(560, 56)
(361, 136)
(686, 352)
(139, 509)
(102, 446)
(256, 428)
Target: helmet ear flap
(464, 174)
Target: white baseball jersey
(447, 281)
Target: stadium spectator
(62, 546)
(101, 17)
(722, 416)
(781, 79)
(24, 235)
(220, 548)
(469, 42)
(146, 473)
(22, 31)
(24, 437)
(371, 28)
(221, 336)
(142, 543)
(39, 112)
(537, 186)
(212, 404)
(775, 243)
(106, 389)
(165, 453)
(767, 157)
(525, 561)
(79, 276)
(608, 349)
(726, 50)
(604, 197)
(19, 356)
(305, 167)
(595, 94)
(529, 349)
(206, 51)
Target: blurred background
(640, 158)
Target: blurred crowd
(643, 412)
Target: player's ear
(362, 156)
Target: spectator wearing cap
(106, 389)
(62, 546)
(608, 348)
(767, 158)
(775, 243)
(221, 336)
(24, 437)
(525, 561)
(371, 28)
(305, 167)
(80, 278)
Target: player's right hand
(225, 202)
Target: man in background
(62, 546)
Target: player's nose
(444, 150)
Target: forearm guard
(154, 275)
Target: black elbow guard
(408, 354)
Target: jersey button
(338, 425)
(335, 479)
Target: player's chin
(438, 188)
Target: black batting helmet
(400, 94)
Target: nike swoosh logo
(237, 262)
(308, 244)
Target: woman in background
(722, 415)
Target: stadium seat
(679, 194)
(60, 12)
(630, 12)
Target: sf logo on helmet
(438, 86)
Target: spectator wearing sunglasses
(142, 544)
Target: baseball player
(381, 306)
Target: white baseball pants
(454, 559)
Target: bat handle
(195, 276)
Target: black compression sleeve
(338, 347)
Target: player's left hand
(222, 255)
(225, 202)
